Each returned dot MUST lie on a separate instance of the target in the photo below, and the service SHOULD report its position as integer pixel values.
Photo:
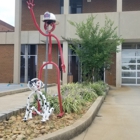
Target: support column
(65, 54)
(65, 45)
(119, 67)
(66, 6)
(119, 5)
(17, 41)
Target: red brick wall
(6, 63)
(52, 75)
(98, 6)
(41, 6)
(110, 75)
(131, 5)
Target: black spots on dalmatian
(46, 104)
(27, 109)
(49, 112)
(25, 119)
(28, 98)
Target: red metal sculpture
(49, 21)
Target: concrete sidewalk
(8, 87)
(118, 118)
(18, 100)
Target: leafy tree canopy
(95, 46)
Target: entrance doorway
(28, 66)
(131, 64)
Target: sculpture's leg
(58, 89)
(58, 84)
(49, 113)
(30, 113)
(28, 107)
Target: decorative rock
(16, 132)
(23, 132)
(47, 128)
(11, 121)
(69, 117)
(33, 125)
(19, 128)
(30, 122)
(1, 135)
(8, 131)
(36, 131)
(1, 128)
(36, 122)
(28, 131)
(19, 118)
(13, 118)
(20, 137)
(42, 127)
(43, 131)
(32, 136)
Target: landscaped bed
(77, 98)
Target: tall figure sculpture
(49, 20)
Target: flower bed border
(79, 126)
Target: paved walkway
(118, 118)
(11, 102)
(7, 87)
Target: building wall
(6, 63)
(52, 74)
(98, 6)
(39, 9)
(124, 20)
(130, 5)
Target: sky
(7, 11)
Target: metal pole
(46, 74)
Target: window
(62, 6)
(75, 6)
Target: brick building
(4, 27)
(6, 54)
(28, 47)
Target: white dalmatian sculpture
(35, 85)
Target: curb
(7, 114)
(78, 127)
(11, 92)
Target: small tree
(97, 45)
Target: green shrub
(75, 96)
(96, 86)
